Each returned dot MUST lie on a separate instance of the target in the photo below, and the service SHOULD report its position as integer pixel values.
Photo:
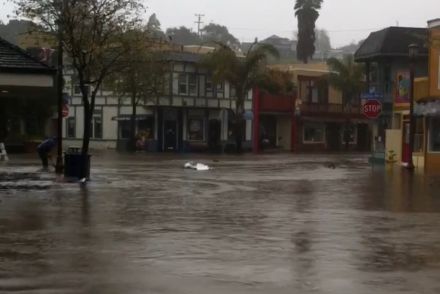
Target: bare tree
(142, 74)
(91, 32)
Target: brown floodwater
(253, 224)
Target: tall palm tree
(242, 72)
(346, 76)
(307, 13)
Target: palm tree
(242, 72)
(307, 13)
(346, 76)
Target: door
(333, 137)
(170, 135)
(405, 139)
(214, 135)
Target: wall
(434, 62)
(432, 162)
(394, 142)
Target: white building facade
(194, 114)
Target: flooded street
(266, 224)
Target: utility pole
(60, 84)
(199, 23)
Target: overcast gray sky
(346, 20)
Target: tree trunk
(87, 126)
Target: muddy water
(274, 224)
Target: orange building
(426, 147)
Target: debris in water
(196, 166)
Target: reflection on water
(280, 225)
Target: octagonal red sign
(372, 108)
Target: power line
(199, 22)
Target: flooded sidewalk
(252, 224)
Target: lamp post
(60, 85)
(413, 51)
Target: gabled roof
(393, 42)
(15, 59)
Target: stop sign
(372, 108)
(65, 110)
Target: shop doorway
(214, 135)
(170, 138)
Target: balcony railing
(330, 109)
(274, 103)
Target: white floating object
(196, 166)
(3, 153)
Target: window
(192, 84)
(434, 135)
(220, 89)
(183, 84)
(233, 92)
(71, 127)
(196, 129)
(96, 131)
(187, 84)
(208, 87)
(314, 133)
(77, 90)
(124, 129)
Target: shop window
(71, 127)
(434, 135)
(196, 129)
(349, 133)
(419, 135)
(314, 133)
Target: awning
(428, 108)
(127, 117)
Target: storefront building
(426, 148)
(192, 115)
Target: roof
(392, 42)
(184, 57)
(13, 58)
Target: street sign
(65, 110)
(372, 108)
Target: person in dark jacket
(44, 149)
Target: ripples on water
(280, 225)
